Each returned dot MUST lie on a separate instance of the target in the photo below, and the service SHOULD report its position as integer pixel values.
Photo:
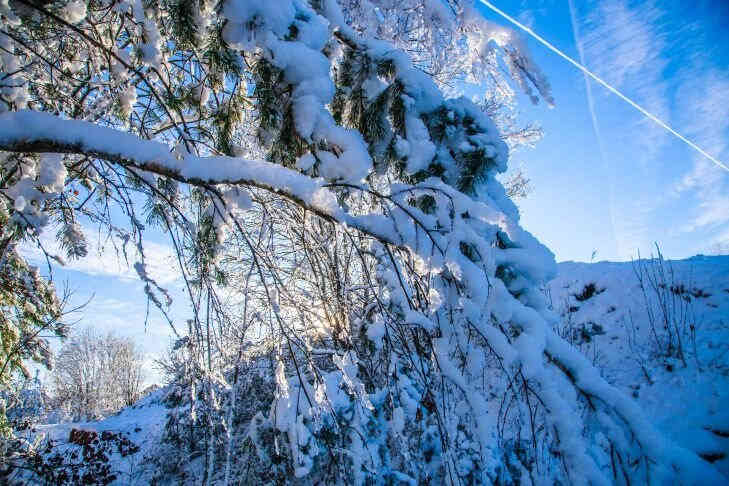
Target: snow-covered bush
(338, 222)
(26, 402)
(23, 405)
(87, 457)
(30, 311)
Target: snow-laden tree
(452, 42)
(365, 306)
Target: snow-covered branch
(36, 132)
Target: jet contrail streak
(593, 117)
(594, 76)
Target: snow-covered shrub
(87, 457)
(23, 405)
(26, 402)
(30, 311)
(579, 333)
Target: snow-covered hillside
(604, 312)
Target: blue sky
(670, 56)
(113, 296)
(643, 187)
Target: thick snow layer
(685, 402)
(148, 414)
(83, 137)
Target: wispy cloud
(642, 49)
(719, 245)
(622, 42)
(126, 316)
(702, 101)
(705, 101)
(625, 45)
(103, 258)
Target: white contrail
(586, 71)
(593, 117)
(588, 86)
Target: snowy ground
(141, 424)
(687, 402)
(605, 314)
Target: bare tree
(97, 374)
